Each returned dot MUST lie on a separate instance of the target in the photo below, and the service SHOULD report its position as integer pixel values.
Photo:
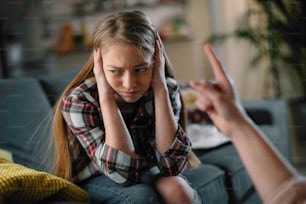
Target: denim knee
(141, 194)
(103, 190)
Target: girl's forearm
(116, 132)
(165, 124)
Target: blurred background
(261, 43)
(43, 37)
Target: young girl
(119, 125)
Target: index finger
(220, 74)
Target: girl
(118, 126)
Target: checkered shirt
(90, 154)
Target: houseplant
(276, 29)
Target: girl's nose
(129, 81)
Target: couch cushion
(25, 118)
(209, 181)
(238, 182)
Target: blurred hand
(218, 98)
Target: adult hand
(104, 89)
(158, 78)
(218, 98)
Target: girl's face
(127, 70)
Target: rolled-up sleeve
(83, 118)
(174, 160)
(119, 166)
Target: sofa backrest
(271, 116)
(25, 118)
(54, 85)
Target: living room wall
(220, 16)
(252, 82)
(205, 18)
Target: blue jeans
(103, 190)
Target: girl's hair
(132, 27)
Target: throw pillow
(19, 183)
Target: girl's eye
(114, 71)
(143, 69)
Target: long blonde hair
(132, 27)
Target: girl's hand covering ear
(103, 86)
(158, 78)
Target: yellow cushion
(19, 183)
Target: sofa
(25, 116)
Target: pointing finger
(218, 69)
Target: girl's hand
(158, 78)
(104, 89)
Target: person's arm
(172, 144)
(265, 165)
(174, 160)
(81, 113)
(165, 123)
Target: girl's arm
(172, 143)
(165, 123)
(117, 135)
(105, 139)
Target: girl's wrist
(160, 88)
(107, 99)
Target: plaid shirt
(91, 156)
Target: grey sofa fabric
(209, 181)
(24, 114)
(54, 85)
(237, 181)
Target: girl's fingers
(158, 38)
(158, 51)
(97, 61)
(159, 66)
(96, 54)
